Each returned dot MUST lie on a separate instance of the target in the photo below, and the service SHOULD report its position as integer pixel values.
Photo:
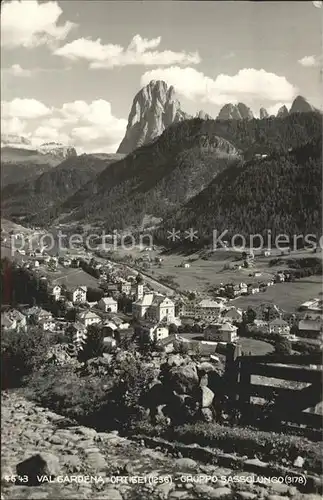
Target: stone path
(72, 453)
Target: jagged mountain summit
(263, 113)
(154, 108)
(301, 105)
(235, 112)
(17, 142)
(282, 112)
(57, 149)
(203, 115)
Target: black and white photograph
(161, 250)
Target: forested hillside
(160, 177)
(281, 193)
(38, 197)
(156, 178)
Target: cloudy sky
(70, 69)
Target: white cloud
(29, 23)
(13, 126)
(24, 108)
(95, 126)
(310, 61)
(248, 84)
(138, 52)
(90, 127)
(17, 70)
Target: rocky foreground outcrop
(154, 108)
(81, 463)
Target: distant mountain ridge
(155, 178)
(56, 149)
(42, 193)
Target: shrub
(22, 353)
(267, 446)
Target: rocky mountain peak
(154, 108)
(263, 113)
(282, 112)
(245, 112)
(57, 149)
(235, 112)
(203, 116)
(301, 105)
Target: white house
(158, 332)
(88, 318)
(78, 333)
(108, 304)
(279, 326)
(163, 309)
(221, 332)
(55, 291)
(48, 325)
(154, 331)
(156, 307)
(206, 309)
(78, 294)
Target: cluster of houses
(271, 319)
(231, 290)
(153, 312)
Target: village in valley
(129, 300)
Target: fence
(287, 405)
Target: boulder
(184, 379)
(205, 367)
(39, 464)
(204, 380)
(299, 462)
(204, 396)
(175, 360)
(185, 464)
(207, 415)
